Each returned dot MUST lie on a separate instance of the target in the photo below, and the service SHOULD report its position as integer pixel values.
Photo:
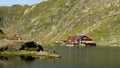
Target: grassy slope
(57, 19)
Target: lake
(72, 57)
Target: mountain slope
(54, 20)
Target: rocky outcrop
(17, 45)
(31, 45)
(10, 45)
(1, 32)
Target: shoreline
(29, 53)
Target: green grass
(28, 53)
(68, 18)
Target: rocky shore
(13, 45)
(30, 53)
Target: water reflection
(3, 58)
(27, 58)
(72, 57)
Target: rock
(31, 46)
(3, 48)
(16, 45)
(1, 32)
(10, 45)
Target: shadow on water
(27, 58)
(72, 57)
(3, 58)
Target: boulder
(1, 32)
(31, 46)
(17, 45)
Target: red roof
(71, 38)
(83, 38)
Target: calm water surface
(72, 57)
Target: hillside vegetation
(54, 20)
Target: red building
(78, 40)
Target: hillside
(54, 20)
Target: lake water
(72, 57)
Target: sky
(21, 2)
